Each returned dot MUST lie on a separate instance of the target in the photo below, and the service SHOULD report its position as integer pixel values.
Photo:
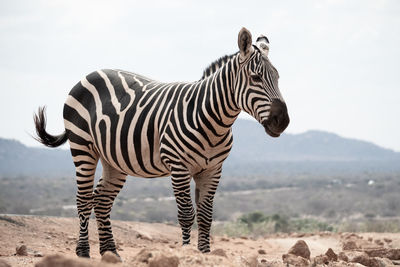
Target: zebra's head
(256, 86)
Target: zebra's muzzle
(278, 119)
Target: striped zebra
(140, 127)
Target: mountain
(253, 150)
(251, 143)
(18, 159)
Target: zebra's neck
(216, 65)
(219, 95)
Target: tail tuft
(44, 137)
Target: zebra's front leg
(105, 193)
(181, 186)
(206, 187)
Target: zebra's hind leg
(85, 164)
(106, 191)
(206, 186)
(181, 186)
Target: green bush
(257, 224)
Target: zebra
(141, 127)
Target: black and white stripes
(140, 127)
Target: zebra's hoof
(83, 254)
(111, 257)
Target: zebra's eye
(256, 78)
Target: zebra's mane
(217, 64)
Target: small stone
(37, 254)
(110, 257)
(224, 239)
(343, 257)
(261, 251)
(219, 252)
(387, 240)
(359, 257)
(349, 245)
(320, 260)
(295, 260)
(390, 253)
(300, 249)
(144, 255)
(21, 250)
(59, 260)
(144, 236)
(164, 261)
(381, 262)
(331, 255)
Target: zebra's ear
(244, 43)
(263, 44)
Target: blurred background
(336, 168)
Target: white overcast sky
(338, 60)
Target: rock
(219, 252)
(295, 260)
(144, 236)
(3, 263)
(262, 252)
(164, 261)
(320, 260)
(390, 253)
(224, 239)
(342, 263)
(380, 262)
(144, 255)
(358, 257)
(62, 261)
(343, 257)
(331, 255)
(21, 250)
(387, 240)
(349, 245)
(110, 257)
(300, 249)
(37, 254)
(266, 263)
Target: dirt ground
(142, 244)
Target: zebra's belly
(143, 162)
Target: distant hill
(252, 148)
(251, 143)
(18, 159)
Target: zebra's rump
(114, 114)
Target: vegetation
(303, 202)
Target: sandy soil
(50, 235)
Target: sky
(338, 61)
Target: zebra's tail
(42, 136)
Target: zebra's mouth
(269, 131)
